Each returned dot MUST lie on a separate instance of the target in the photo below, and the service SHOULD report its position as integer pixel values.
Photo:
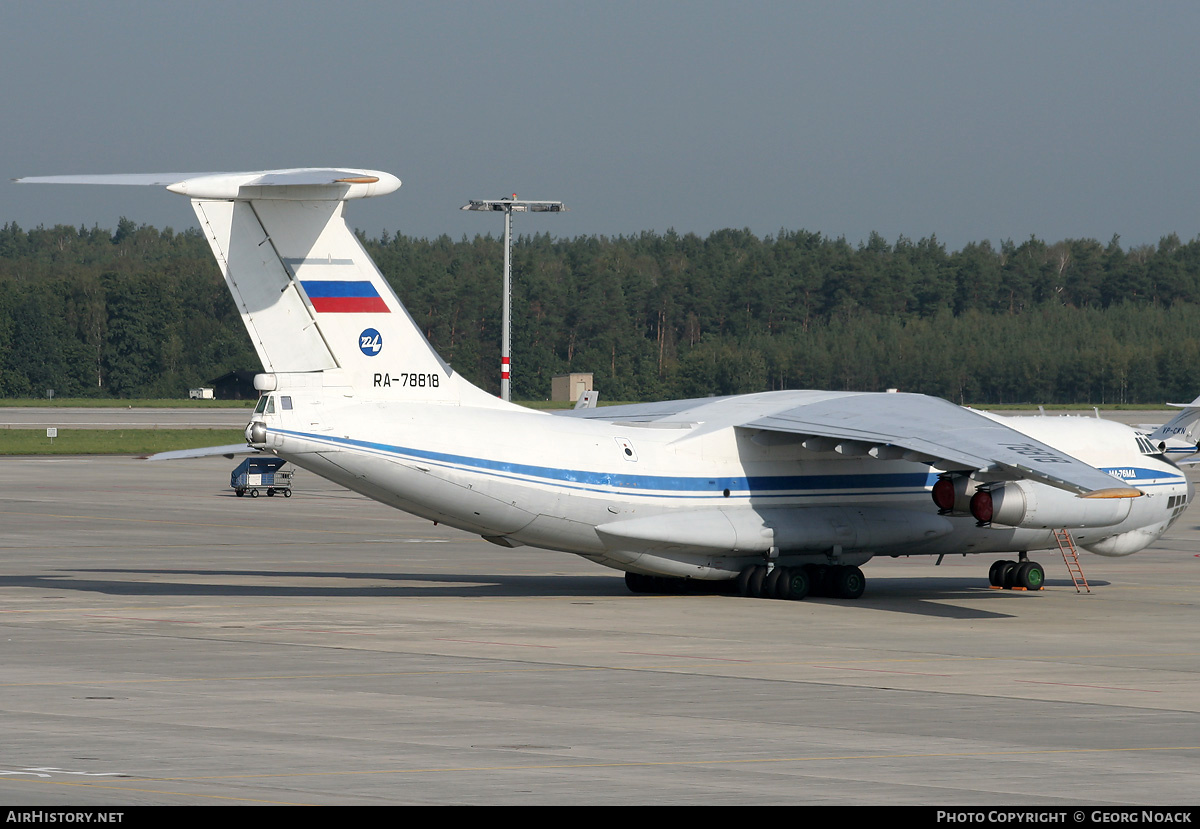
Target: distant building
(568, 387)
(236, 385)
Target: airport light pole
(508, 207)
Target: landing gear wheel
(996, 573)
(771, 588)
(754, 586)
(1008, 574)
(797, 584)
(1030, 575)
(743, 581)
(849, 582)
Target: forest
(141, 313)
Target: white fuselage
(520, 477)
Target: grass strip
(113, 441)
(111, 403)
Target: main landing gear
(835, 581)
(1027, 575)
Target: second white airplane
(783, 493)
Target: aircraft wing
(204, 452)
(638, 412)
(928, 429)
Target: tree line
(142, 312)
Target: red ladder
(1066, 546)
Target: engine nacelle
(952, 493)
(1032, 505)
(256, 434)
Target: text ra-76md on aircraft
(783, 491)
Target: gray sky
(969, 120)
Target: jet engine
(1036, 506)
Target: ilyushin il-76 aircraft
(781, 493)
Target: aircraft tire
(754, 585)
(783, 583)
(850, 582)
(743, 581)
(1008, 575)
(797, 584)
(1030, 575)
(771, 583)
(996, 574)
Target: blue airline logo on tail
(370, 342)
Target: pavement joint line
(465, 672)
(1081, 685)
(661, 763)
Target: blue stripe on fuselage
(767, 486)
(654, 485)
(1141, 476)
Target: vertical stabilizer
(308, 293)
(313, 301)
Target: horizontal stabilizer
(337, 183)
(135, 179)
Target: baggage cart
(258, 475)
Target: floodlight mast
(508, 207)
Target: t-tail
(318, 311)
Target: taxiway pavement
(164, 642)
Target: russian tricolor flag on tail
(338, 297)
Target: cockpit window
(271, 404)
(262, 404)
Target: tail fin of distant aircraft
(309, 295)
(1177, 437)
